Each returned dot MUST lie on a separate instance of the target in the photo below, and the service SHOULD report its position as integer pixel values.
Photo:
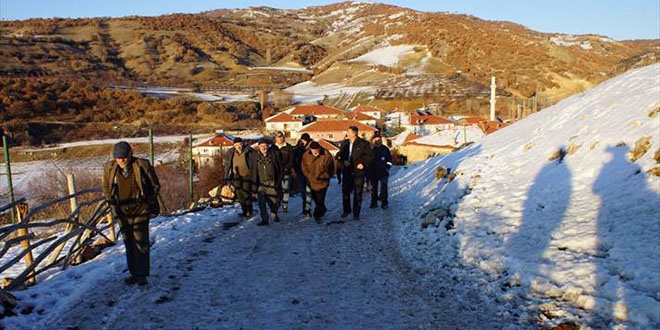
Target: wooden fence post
(10, 185)
(21, 212)
(73, 202)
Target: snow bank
(573, 239)
(387, 56)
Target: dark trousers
(267, 195)
(135, 231)
(286, 190)
(319, 202)
(244, 193)
(305, 192)
(352, 183)
(379, 194)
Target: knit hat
(263, 141)
(306, 137)
(238, 140)
(314, 145)
(121, 150)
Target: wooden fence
(87, 220)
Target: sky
(616, 19)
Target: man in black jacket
(237, 172)
(305, 192)
(267, 175)
(287, 151)
(356, 155)
(379, 172)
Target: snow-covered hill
(573, 239)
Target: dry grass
(641, 147)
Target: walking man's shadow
(628, 227)
(543, 213)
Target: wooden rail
(81, 228)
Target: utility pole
(493, 87)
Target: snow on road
(297, 274)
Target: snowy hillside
(576, 239)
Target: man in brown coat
(318, 166)
(130, 187)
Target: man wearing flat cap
(130, 186)
(303, 146)
(379, 172)
(267, 175)
(238, 163)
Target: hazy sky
(618, 19)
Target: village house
(283, 122)
(204, 153)
(426, 124)
(369, 111)
(362, 118)
(312, 112)
(335, 130)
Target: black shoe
(318, 219)
(373, 206)
(262, 223)
(131, 280)
(139, 280)
(344, 215)
(274, 217)
(142, 281)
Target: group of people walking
(269, 172)
(131, 187)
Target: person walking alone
(379, 172)
(287, 152)
(305, 193)
(238, 161)
(267, 175)
(356, 155)
(318, 165)
(130, 186)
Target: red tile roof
(327, 145)
(366, 108)
(283, 117)
(315, 110)
(359, 116)
(335, 125)
(428, 120)
(217, 141)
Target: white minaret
(492, 98)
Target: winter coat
(362, 154)
(266, 170)
(380, 167)
(298, 152)
(249, 155)
(287, 151)
(143, 200)
(318, 169)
